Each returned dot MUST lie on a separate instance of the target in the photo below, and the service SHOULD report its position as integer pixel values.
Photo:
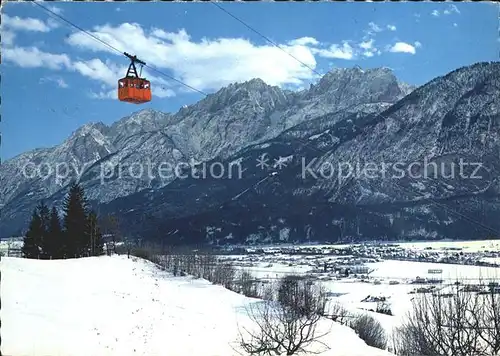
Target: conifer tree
(75, 223)
(45, 238)
(55, 247)
(33, 239)
(95, 236)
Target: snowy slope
(119, 306)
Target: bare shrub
(286, 327)
(338, 313)
(224, 275)
(182, 261)
(143, 253)
(369, 330)
(247, 284)
(461, 323)
(301, 295)
(489, 321)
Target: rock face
(357, 156)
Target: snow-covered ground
(390, 279)
(119, 306)
(468, 246)
(6, 245)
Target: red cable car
(132, 88)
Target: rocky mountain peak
(90, 128)
(147, 120)
(335, 120)
(348, 86)
(255, 84)
(254, 92)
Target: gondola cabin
(132, 88)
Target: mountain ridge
(342, 101)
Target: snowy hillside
(119, 306)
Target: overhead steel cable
(114, 48)
(431, 201)
(264, 37)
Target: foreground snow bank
(119, 306)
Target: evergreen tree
(33, 239)
(95, 236)
(76, 240)
(55, 247)
(45, 242)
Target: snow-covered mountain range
(350, 118)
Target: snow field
(118, 306)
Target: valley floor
(118, 306)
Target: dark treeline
(77, 234)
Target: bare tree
(488, 322)
(338, 313)
(464, 322)
(224, 275)
(299, 294)
(288, 327)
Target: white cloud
(207, 64)
(366, 44)
(402, 47)
(108, 94)
(369, 49)
(52, 23)
(304, 41)
(56, 10)
(24, 24)
(8, 37)
(335, 51)
(229, 59)
(61, 83)
(106, 72)
(374, 27)
(57, 80)
(455, 24)
(451, 9)
(418, 44)
(32, 57)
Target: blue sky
(55, 78)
